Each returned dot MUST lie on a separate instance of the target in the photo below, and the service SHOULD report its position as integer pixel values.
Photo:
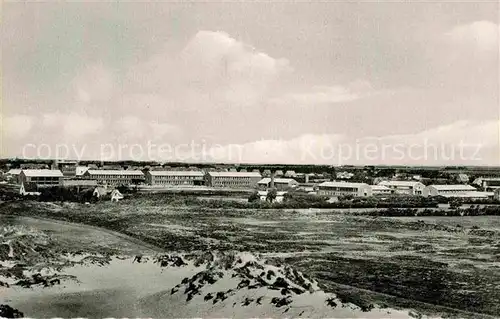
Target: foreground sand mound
(242, 285)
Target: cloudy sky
(334, 83)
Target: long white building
(114, 177)
(343, 188)
(404, 187)
(458, 190)
(165, 178)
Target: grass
(450, 262)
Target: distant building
(336, 189)
(458, 190)
(175, 178)
(114, 177)
(290, 174)
(380, 190)
(496, 194)
(79, 183)
(266, 173)
(404, 187)
(280, 196)
(344, 175)
(41, 177)
(34, 166)
(68, 169)
(256, 170)
(463, 178)
(30, 189)
(232, 179)
(80, 170)
(279, 183)
(278, 173)
(13, 175)
(489, 183)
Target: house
(290, 174)
(80, 170)
(13, 175)
(232, 179)
(114, 177)
(278, 173)
(266, 173)
(41, 177)
(116, 195)
(100, 191)
(79, 183)
(243, 170)
(380, 190)
(496, 194)
(68, 169)
(280, 196)
(458, 190)
(404, 187)
(344, 175)
(279, 183)
(175, 178)
(29, 189)
(344, 188)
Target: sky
(414, 83)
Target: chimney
(272, 181)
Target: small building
(41, 177)
(280, 196)
(116, 195)
(335, 189)
(404, 187)
(380, 190)
(232, 179)
(114, 177)
(79, 183)
(266, 173)
(80, 170)
(13, 175)
(457, 190)
(462, 178)
(68, 169)
(278, 173)
(496, 194)
(279, 183)
(290, 173)
(175, 178)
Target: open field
(452, 262)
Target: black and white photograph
(250, 159)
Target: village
(30, 179)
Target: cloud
(480, 35)
(462, 142)
(72, 125)
(15, 126)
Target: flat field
(444, 265)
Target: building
(290, 173)
(279, 183)
(489, 184)
(80, 170)
(463, 178)
(404, 187)
(232, 179)
(280, 196)
(496, 194)
(175, 178)
(68, 169)
(380, 190)
(79, 183)
(278, 173)
(29, 189)
(114, 177)
(13, 175)
(41, 177)
(343, 188)
(116, 195)
(266, 173)
(458, 190)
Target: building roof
(343, 184)
(177, 173)
(473, 194)
(456, 187)
(14, 171)
(234, 174)
(114, 172)
(399, 183)
(267, 180)
(80, 170)
(42, 172)
(380, 188)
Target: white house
(279, 196)
(116, 195)
(13, 175)
(457, 190)
(380, 190)
(279, 183)
(404, 187)
(344, 188)
(41, 177)
(28, 189)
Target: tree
(253, 197)
(271, 195)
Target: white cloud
(463, 142)
(15, 126)
(95, 84)
(481, 35)
(72, 125)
